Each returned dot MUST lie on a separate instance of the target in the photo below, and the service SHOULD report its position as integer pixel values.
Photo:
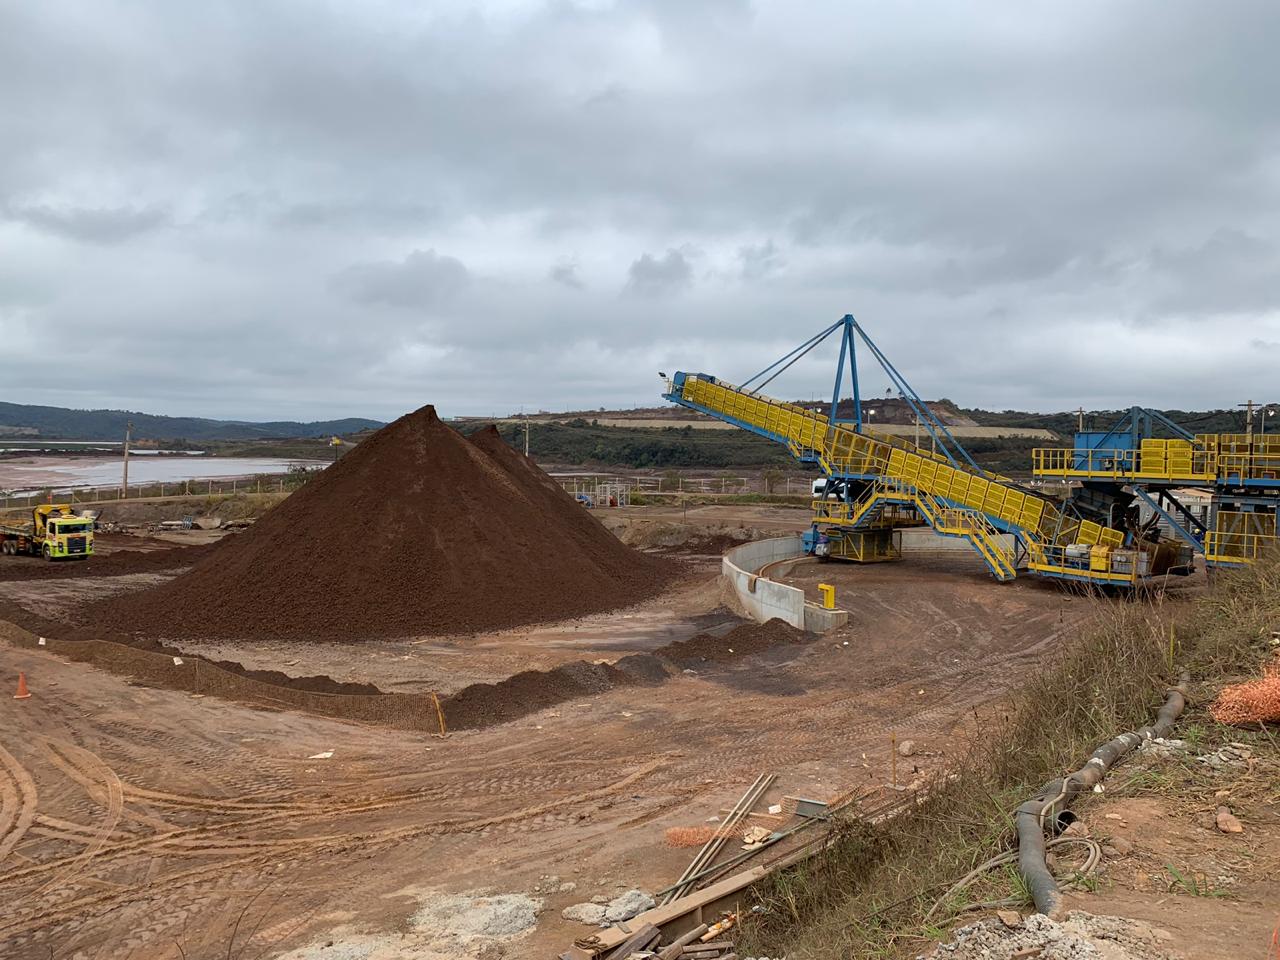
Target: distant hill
(61, 423)
(1065, 424)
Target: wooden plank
(637, 941)
(659, 916)
(676, 948)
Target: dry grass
(866, 896)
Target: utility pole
(526, 435)
(1080, 420)
(128, 435)
(1248, 424)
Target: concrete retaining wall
(764, 599)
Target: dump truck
(54, 532)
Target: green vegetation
(586, 443)
(868, 895)
(66, 424)
(582, 442)
(302, 448)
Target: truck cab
(67, 537)
(54, 532)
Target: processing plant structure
(878, 483)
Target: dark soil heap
(416, 531)
(484, 704)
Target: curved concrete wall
(764, 599)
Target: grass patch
(867, 895)
(1191, 883)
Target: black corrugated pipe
(1046, 808)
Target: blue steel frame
(950, 447)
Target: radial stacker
(878, 483)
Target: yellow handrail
(838, 447)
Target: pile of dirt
(115, 564)
(484, 704)
(747, 639)
(417, 531)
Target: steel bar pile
(711, 849)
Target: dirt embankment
(417, 531)
(484, 704)
(41, 626)
(478, 705)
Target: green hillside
(61, 423)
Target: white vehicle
(820, 487)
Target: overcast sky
(310, 209)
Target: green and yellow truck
(54, 532)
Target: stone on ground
(628, 905)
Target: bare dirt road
(153, 823)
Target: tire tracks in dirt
(49, 914)
(102, 785)
(211, 837)
(18, 799)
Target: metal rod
(713, 846)
(808, 344)
(700, 858)
(913, 399)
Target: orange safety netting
(1257, 701)
(688, 836)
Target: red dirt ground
(138, 817)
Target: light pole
(128, 433)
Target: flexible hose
(1054, 797)
(1092, 858)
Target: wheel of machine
(48, 555)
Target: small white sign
(40, 641)
(177, 661)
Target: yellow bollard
(828, 596)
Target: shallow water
(36, 473)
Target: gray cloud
(760, 261)
(423, 279)
(1072, 199)
(652, 276)
(89, 224)
(566, 273)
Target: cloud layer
(288, 210)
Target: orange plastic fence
(1256, 701)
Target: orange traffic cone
(23, 693)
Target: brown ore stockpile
(417, 531)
